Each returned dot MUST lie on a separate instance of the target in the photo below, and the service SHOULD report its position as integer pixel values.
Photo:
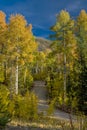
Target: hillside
(43, 43)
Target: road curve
(40, 90)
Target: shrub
(25, 107)
(5, 116)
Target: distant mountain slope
(43, 44)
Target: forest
(63, 67)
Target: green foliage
(24, 107)
(25, 80)
(64, 66)
(1, 73)
(17, 47)
(82, 60)
(5, 116)
(51, 108)
(69, 51)
(40, 76)
(55, 88)
(29, 81)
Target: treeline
(67, 78)
(17, 54)
(17, 50)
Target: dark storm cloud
(41, 13)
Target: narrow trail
(40, 90)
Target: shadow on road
(25, 128)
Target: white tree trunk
(11, 79)
(16, 78)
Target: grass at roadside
(47, 123)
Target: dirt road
(40, 91)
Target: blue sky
(42, 13)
